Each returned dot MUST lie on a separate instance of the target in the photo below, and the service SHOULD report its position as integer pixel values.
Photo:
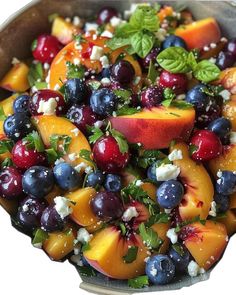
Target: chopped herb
(7, 162)
(79, 39)
(192, 148)
(131, 254)
(169, 94)
(123, 228)
(121, 141)
(187, 222)
(96, 134)
(52, 155)
(157, 218)
(181, 104)
(86, 155)
(126, 110)
(179, 249)
(94, 84)
(63, 140)
(40, 236)
(35, 73)
(149, 237)
(34, 141)
(62, 89)
(152, 72)
(124, 94)
(134, 191)
(167, 102)
(174, 114)
(85, 247)
(138, 282)
(74, 71)
(6, 145)
(2, 114)
(86, 271)
(148, 157)
(41, 85)
(101, 29)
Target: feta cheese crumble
(47, 107)
(116, 21)
(106, 81)
(104, 61)
(75, 131)
(62, 206)
(97, 53)
(167, 172)
(212, 211)
(225, 94)
(83, 236)
(138, 182)
(175, 155)
(194, 269)
(91, 27)
(107, 34)
(172, 235)
(129, 213)
(58, 161)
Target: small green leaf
(121, 141)
(142, 43)
(187, 222)
(149, 237)
(181, 104)
(60, 140)
(74, 71)
(169, 94)
(124, 94)
(123, 228)
(85, 247)
(145, 17)
(7, 162)
(41, 85)
(131, 254)
(192, 61)
(2, 114)
(35, 73)
(96, 134)
(117, 42)
(94, 84)
(138, 282)
(6, 145)
(179, 249)
(134, 191)
(148, 157)
(125, 30)
(86, 155)
(174, 60)
(152, 72)
(86, 271)
(126, 110)
(192, 148)
(34, 141)
(40, 236)
(206, 71)
(52, 155)
(157, 218)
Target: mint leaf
(125, 30)
(131, 254)
(142, 43)
(121, 141)
(138, 282)
(117, 42)
(34, 141)
(149, 237)
(152, 72)
(6, 145)
(126, 110)
(174, 60)
(2, 114)
(35, 73)
(145, 17)
(191, 60)
(96, 134)
(74, 71)
(206, 71)
(40, 236)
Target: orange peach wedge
(155, 128)
(199, 189)
(229, 111)
(200, 33)
(228, 79)
(206, 243)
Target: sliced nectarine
(59, 244)
(199, 189)
(161, 229)
(206, 243)
(228, 79)
(200, 33)
(229, 221)
(17, 78)
(226, 161)
(53, 125)
(229, 111)
(107, 249)
(150, 189)
(155, 128)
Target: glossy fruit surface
(221, 127)
(231, 47)
(225, 60)
(174, 41)
(10, 183)
(177, 82)
(226, 184)
(151, 96)
(103, 102)
(20, 104)
(51, 221)
(95, 178)
(122, 72)
(151, 57)
(170, 194)
(180, 258)
(76, 91)
(222, 203)
(112, 183)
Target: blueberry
(20, 104)
(225, 60)
(174, 41)
(95, 179)
(106, 73)
(221, 127)
(51, 220)
(66, 176)
(170, 194)
(226, 184)
(38, 181)
(103, 102)
(122, 72)
(160, 269)
(222, 203)
(198, 98)
(112, 183)
(17, 126)
(180, 256)
(76, 91)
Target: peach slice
(199, 189)
(82, 213)
(107, 249)
(16, 79)
(206, 243)
(150, 189)
(51, 125)
(155, 128)
(226, 161)
(229, 221)
(229, 111)
(161, 229)
(200, 33)
(63, 30)
(59, 244)
(228, 79)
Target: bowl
(16, 36)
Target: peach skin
(229, 111)
(228, 79)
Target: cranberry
(50, 96)
(225, 60)
(231, 47)
(177, 82)
(10, 183)
(152, 96)
(107, 155)
(152, 55)
(208, 145)
(45, 48)
(123, 72)
(24, 157)
(105, 15)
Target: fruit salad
(118, 143)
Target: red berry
(208, 145)
(177, 82)
(107, 155)
(24, 157)
(10, 183)
(151, 96)
(45, 48)
(46, 95)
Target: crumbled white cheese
(34, 89)
(107, 34)
(38, 245)
(58, 161)
(219, 174)
(172, 235)
(225, 94)
(104, 61)
(75, 131)
(106, 81)
(167, 211)
(72, 157)
(97, 53)
(80, 166)
(212, 211)
(175, 155)
(76, 21)
(76, 61)
(232, 137)
(91, 27)
(15, 61)
(194, 269)
(161, 34)
(46, 66)
(25, 208)
(129, 213)
(153, 271)
(98, 124)
(116, 21)
(62, 206)
(213, 45)
(138, 182)
(83, 236)
(206, 48)
(88, 169)
(47, 107)
(212, 60)
(181, 96)
(137, 80)
(167, 172)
